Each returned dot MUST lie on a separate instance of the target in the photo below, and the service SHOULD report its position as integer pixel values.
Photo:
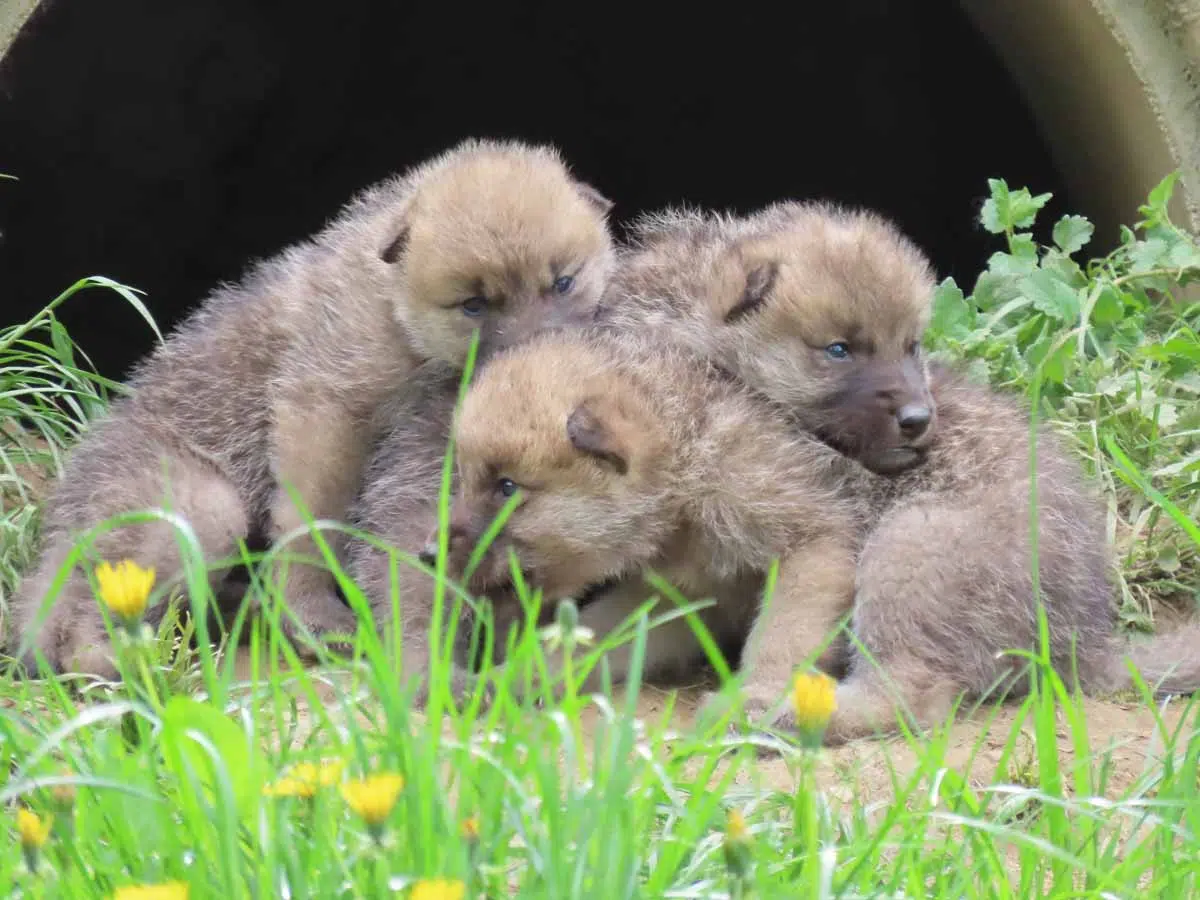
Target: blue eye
(564, 284)
(506, 486)
(837, 351)
(474, 306)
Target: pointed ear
(760, 281)
(400, 228)
(395, 248)
(598, 201)
(590, 434)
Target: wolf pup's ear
(760, 281)
(395, 248)
(589, 433)
(598, 201)
(400, 228)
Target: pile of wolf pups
(719, 394)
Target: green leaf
(1022, 247)
(1155, 207)
(1146, 256)
(953, 316)
(1025, 207)
(993, 289)
(1071, 233)
(244, 766)
(1052, 296)
(63, 348)
(1006, 210)
(1168, 559)
(1184, 254)
(1061, 363)
(1065, 268)
(1110, 306)
(1009, 266)
(1183, 346)
(990, 216)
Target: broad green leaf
(1168, 559)
(1056, 357)
(1052, 296)
(990, 215)
(1006, 265)
(1146, 256)
(1065, 268)
(1184, 254)
(1006, 210)
(244, 767)
(1024, 207)
(1022, 247)
(1183, 346)
(1030, 330)
(992, 290)
(953, 316)
(1071, 233)
(1109, 307)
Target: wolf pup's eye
(838, 351)
(914, 349)
(474, 306)
(506, 486)
(564, 283)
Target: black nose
(428, 554)
(913, 419)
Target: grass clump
(253, 776)
(1112, 343)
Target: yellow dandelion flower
(438, 889)
(304, 779)
(124, 588)
(373, 798)
(736, 845)
(169, 890)
(290, 787)
(735, 826)
(814, 700)
(33, 829)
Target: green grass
(162, 777)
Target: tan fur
(629, 454)
(398, 505)
(276, 381)
(943, 585)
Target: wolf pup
(275, 382)
(943, 586)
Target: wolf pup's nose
(913, 419)
(428, 554)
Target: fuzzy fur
(943, 585)
(631, 453)
(276, 381)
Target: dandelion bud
(34, 831)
